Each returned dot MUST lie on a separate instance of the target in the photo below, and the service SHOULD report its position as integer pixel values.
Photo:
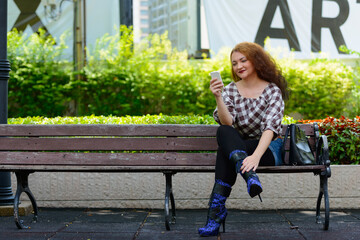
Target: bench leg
(323, 192)
(23, 186)
(169, 196)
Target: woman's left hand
(250, 163)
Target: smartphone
(216, 74)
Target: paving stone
(149, 224)
(172, 236)
(102, 227)
(19, 235)
(254, 234)
(353, 213)
(92, 236)
(113, 216)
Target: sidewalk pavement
(92, 224)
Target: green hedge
(151, 78)
(148, 119)
(343, 134)
(39, 79)
(318, 88)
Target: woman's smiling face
(242, 67)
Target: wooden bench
(169, 149)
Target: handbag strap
(284, 142)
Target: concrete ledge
(191, 190)
(25, 208)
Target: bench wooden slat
(57, 168)
(108, 144)
(308, 128)
(108, 130)
(290, 169)
(107, 159)
(118, 130)
(160, 168)
(83, 144)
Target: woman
(250, 111)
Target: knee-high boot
(252, 180)
(217, 211)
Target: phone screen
(216, 74)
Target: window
(145, 30)
(144, 3)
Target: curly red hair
(265, 65)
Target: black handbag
(300, 151)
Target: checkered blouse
(252, 116)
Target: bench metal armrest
(322, 154)
(322, 151)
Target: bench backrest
(113, 145)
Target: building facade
(181, 19)
(141, 19)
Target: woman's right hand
(216, 87)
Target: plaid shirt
(252, 116)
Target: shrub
(150, 77)
(153, 85)
(153, 79)
(317, 88)
(344, 138)
(39, 78)
(353, 108)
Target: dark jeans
(229, 139)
